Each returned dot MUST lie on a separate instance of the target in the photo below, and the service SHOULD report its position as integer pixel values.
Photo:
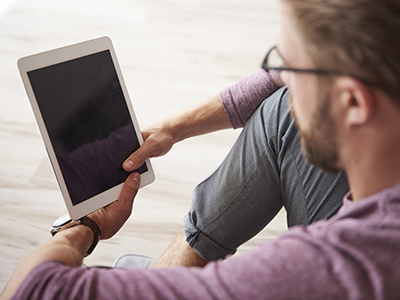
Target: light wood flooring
(173, 54)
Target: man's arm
(69, 246)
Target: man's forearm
(206, 117)
(68, 246)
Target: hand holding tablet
(86, 119)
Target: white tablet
(86, 119)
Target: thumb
(137, 158)
(129, 189)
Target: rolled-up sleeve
(242, 98)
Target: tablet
(86, 120)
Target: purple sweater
(354, 255)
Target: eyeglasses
(274, 62)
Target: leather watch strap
(96, 232)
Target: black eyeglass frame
(266, 68)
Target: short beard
(319, 143)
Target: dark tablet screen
(88, 122)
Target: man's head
(355, 37)
(358, 38)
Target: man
(342, 68)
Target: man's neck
(365, 186)
(374, 168)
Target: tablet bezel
(52, 57)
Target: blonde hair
(359, 37)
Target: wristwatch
(65, 222)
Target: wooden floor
(173, 54)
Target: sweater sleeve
(242, 98)
(285, 270)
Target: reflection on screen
(88, 122)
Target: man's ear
(357, 100)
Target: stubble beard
(319, 143)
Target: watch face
(61, 221)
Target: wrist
(63, 223)
(79, 237)
(169, 128)
(92, 225)
(175, 129)
(180, 126)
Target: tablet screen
(88, 122)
